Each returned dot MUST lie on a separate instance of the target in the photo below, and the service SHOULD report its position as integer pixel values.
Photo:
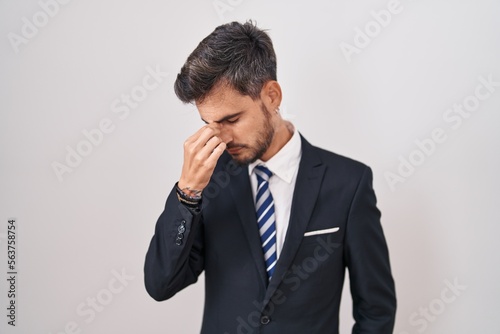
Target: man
(272, 220)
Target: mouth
(234, 150)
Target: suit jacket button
(265, 320)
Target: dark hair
(239, 55)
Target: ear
(271, 95)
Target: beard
(265, 136)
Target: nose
(225, 134)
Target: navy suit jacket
(334, 225)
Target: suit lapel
(309, 177)
(242, 195)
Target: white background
(75, 232)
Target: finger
(216, 153)
(196, 143)
(196, 135)
(207, 150)
(202, 132)
(205, 136)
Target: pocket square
(328, 230)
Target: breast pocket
(320, 232)
(322, 243)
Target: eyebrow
(225, 118)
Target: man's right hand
(201, 152)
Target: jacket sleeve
(174, 259)
(367, 259)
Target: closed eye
(233, 118)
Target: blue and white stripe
(266, 218)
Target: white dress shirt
(284, 165)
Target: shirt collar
(284, 163)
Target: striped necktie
(265, 218)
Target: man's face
(245, 124)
